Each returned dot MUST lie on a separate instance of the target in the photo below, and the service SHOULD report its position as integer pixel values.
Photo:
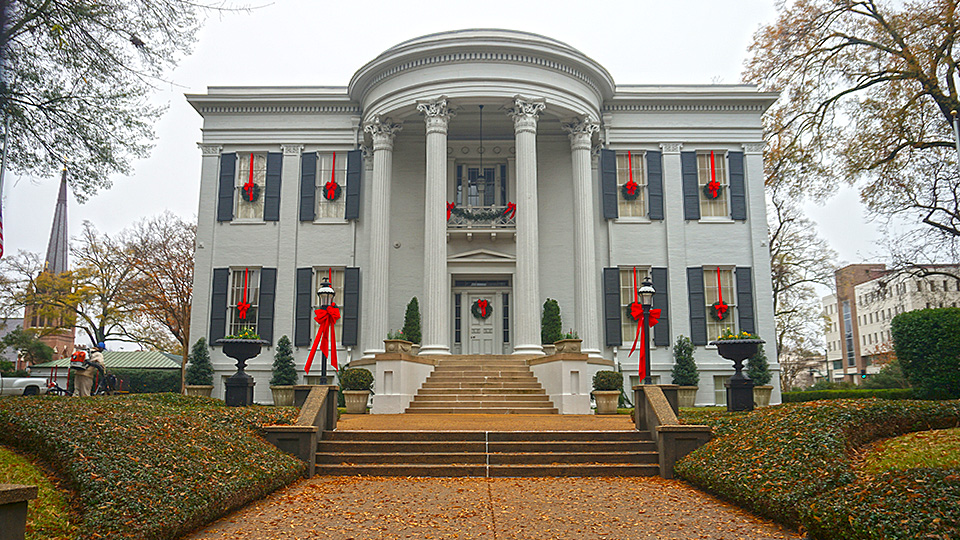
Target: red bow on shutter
(511, 211)
(482, 304)
(450, 207)
(326, 318)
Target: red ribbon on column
(720, 307)
(450, 207)
(713, 186)
(248, 187)
(511, 211)
(326, 336)
(243, 306)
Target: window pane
(713, 207)
(244, 207)
(625, 162)
(337, 283)
(244, 287)
(712, 295)
(331, 167)
(627, 296)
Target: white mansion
(483, 167)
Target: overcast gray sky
(299, 42)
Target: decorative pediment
(481, 255)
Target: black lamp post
(646, 292)
(325, 294)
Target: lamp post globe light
(325, 294)
(646, 292)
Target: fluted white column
(585, 278)
(436, 282)
(376, 299)
(526, 285)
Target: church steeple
(59, 245)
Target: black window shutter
(611, 307)
(655, 184)
(228, 174)
(271, 192)
(691, 187)
(698, 301)
(608, 184)
(350, 311)
(308, 186)
(745, 299)
(354, 178)
(738, 190)
(218, 304)
(661, 332)
(268, 293)
(304, 301)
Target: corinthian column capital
(525, 112)
(581, 132)
(383, 131)
(436, 113)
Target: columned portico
(436, 282)
(585, 275)
(376, 293)
(525, 113)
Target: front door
(481, 331)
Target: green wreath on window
(712, 190)
(719, 311)
(630, 191)
(251, 192)
(331, 191)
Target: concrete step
(481, 391)
(483, 410)
(492, 436)
(493, 471)
(480, 378)
(481, 397)
(417, 470)
(493, 383)
(479, 404)
(479, 458)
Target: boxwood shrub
(814, 395)
(927, 343)
(608, 380)
(151, 466)
(148, 381)
(777, 460)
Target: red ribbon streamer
(631, 185)
(721, 306)
(511, 211)
(249, 185)
(326, 336)
(713, 186)
(482, 304)
(450, 207)
(243, 306)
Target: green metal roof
(125, 360)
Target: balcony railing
(482, 217)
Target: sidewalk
(344, 508)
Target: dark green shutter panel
(354, 178)
(268, 293)
(218, 304)
(745, 299)
(611, 307)
(661, 332)
(738, 191)
(302, 308)
(655, 184)
(698, 302)
(308, 186)
(608, 183)
(350, 310)
(228, 174)
(691, 185)
(271, 192)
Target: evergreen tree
(284, 369)
(757, 368)
(684, 370)
(411, 321)
(200, 370)
(550, 322)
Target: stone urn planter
(687, 396)
(607, 401)
(568, 346)
(200, 390)
(283, 395)
(549, 349)
(761, 395)
(356, 401)
(739, 387)
(240, 385)
(398, 346)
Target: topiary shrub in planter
(927, 344)
(284, 374)
(685, 372)
(356, 386)
(758, 370)
(550, 322)
(411, 322)
(199, 370)
(607, 386)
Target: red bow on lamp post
(326, 338)
(636, 312)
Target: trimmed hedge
(927, 344)
(780, 461)
(151, 466)
(608, 380)
(148, 381)
(815, 395)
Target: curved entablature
(483, 65)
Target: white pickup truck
(22, 386)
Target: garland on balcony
(480, 215)
(481, 309)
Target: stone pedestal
(13, 510)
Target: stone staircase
(486, 453)
(491, 384)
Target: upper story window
(243, 300)
(714, 184)
(250, 185)
(331, 185)
(631, 184)
(481, 197)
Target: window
(473, 190)
(712, 294)
(720, 389)
(456, 318)
(713, 165)
(331, 198)
(628, 326)
(630, 166)
(337, 283)
(245, 208)
(244, 289)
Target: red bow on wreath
(450, 207)
(331, 188)
(482, 304)
(242, 305)
(636, 312)
(631, 186)
(511, 211)
(713, 186)
(248, 187)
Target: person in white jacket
(83, 380)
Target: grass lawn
(938, 448)
(50, 516)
